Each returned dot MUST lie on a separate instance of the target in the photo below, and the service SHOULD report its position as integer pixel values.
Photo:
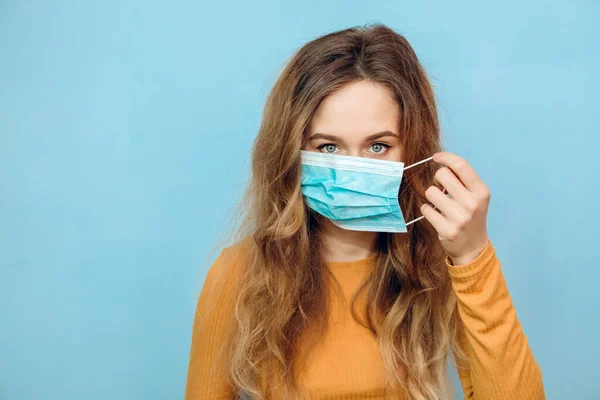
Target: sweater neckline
(354, 263)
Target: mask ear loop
(434, 207)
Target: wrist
(469, 257)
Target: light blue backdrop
(125, 129)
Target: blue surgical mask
(355, 193)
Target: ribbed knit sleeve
(502, 365)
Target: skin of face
(361, 119)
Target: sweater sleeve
(501, 364)
(207, 373)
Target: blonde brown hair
(282, 288)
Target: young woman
(331, 292)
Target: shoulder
(223, 276)
(230, 263)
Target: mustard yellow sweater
(347, 363)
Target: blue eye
(379, 148)
(328, 148)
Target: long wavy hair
(282, 292)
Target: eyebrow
(369, 138)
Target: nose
(354, 152)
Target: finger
(439, 223)
(462, 169)
(437, 183)
(440, 186)
(449, 207)
(452, 185)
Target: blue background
(125, 130)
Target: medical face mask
(355, 193)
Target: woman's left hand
(461, 225)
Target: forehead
(359, 108)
